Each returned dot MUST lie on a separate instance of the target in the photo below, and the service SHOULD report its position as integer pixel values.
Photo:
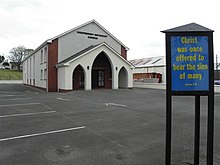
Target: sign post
(190, 72)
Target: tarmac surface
(98, 127)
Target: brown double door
(98, 79)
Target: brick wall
(52, 70)
(123, 52)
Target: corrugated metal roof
(149, 62)
(156, 61)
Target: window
(30, 68)
(45, 54)
(45, 74)
(41, 56)
(101, 78)
(34, 67)
(41, 74)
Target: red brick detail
(138, 76)
(64, 90)
(123, 52)
(52, 70)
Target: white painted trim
(98, 46)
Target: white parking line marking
(59, 98)
(114, 104)
(6, 95)
(40, 134)
(47, 107)
(27, 114)
(18, 99)
(11, 105)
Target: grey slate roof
(88, 49)
(78, 54)
(191, 27)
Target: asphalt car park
(100, 127)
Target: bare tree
(2, 58)
(17, 54)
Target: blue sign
(189, 63)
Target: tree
(17, 54)
(2, 58)
(5, 64)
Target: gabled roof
(149, 62)
(74, 29)
(85, 51)
(87, 23)
(191, 27)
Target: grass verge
(6, 74)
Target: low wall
(217, 88)
(138, 84)
(11, 81)
(148, 80)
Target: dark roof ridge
(191, 27)
(78, 54)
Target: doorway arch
(123, 78)
(78, 78)
(101, 72)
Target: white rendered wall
(24, 64)
(32, 69)
(87, 60)
(61, 78)
(74, 42)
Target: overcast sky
(136, 23)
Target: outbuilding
(86, 57)
(151, 69)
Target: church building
(86, 57)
